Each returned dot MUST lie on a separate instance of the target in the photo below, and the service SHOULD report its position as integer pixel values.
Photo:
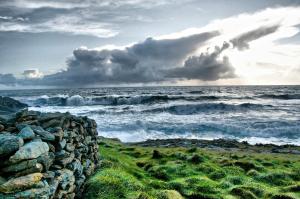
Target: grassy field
(193, 173)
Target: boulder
(26, 133)
(9, 144)
(8, 104)
(29, 151)
(21, 183)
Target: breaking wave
(189, 109)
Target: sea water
(257, 114)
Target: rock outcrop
(46, 155)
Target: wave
(78, 100)
(189, 109)
(280, 96)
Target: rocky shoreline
(44, 155)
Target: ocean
(256, 114)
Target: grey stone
(76, 167)
(45, 135)
(37, 168)
(20, 166)
(46, 160)
(66, 179)
(66, 160)
(30, 150)
(88, 167)
(61, 145)
(26, 133)
(70, 147)
(9, 144)
(21, 183)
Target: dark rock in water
(29, 151)
(26, 133)
(20, 166)
(9, 105)
(9, 144)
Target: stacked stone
(46, 155)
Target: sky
(90, 43)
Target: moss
(156, 154)
(275, 178)
(144, 195)
(110, 184)
(159, 173)
(192, 150)
(246, 165)
(217, 175)
(149, 173)
(242, 193)
(196, 159)
(253, 173)
(282, 196)
(169, 194)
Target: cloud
(142, 62)
(8, 79)
(241, 42)
(205, 67)
(32, 74)
(97, 18)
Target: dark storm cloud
(241, 42)
(205, 67)
(7, 79)
(140, 63)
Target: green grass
(177, 173)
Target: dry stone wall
(46, 155)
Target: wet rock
(30, 150)
(20, 183)
(9, 144)
(8, 104)
(26, 133)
